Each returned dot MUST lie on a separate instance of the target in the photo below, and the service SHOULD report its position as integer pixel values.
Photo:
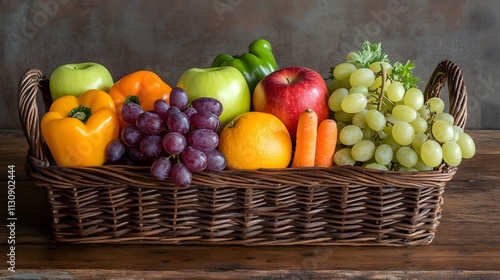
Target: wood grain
(467, 243)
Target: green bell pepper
(254, 65)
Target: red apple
(289, 91)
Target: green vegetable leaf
(404, 74)
(370, 53)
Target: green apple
(225, 84)
(77, 78)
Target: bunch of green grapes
(383, 120)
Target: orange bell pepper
(143, 87)
(77, 130)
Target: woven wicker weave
(292, 206)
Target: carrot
(326, 142)
(305, 143)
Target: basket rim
(335, 176)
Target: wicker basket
(292, 206)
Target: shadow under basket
(293, 206)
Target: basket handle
(447, 71)
(31, 82)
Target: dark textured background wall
(171, 36)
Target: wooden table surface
(466, 246)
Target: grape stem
(381, 97)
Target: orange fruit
(255, 140)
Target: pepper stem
(132, 98)
(81, 113)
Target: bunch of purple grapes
(175, 139)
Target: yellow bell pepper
(78, 129)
